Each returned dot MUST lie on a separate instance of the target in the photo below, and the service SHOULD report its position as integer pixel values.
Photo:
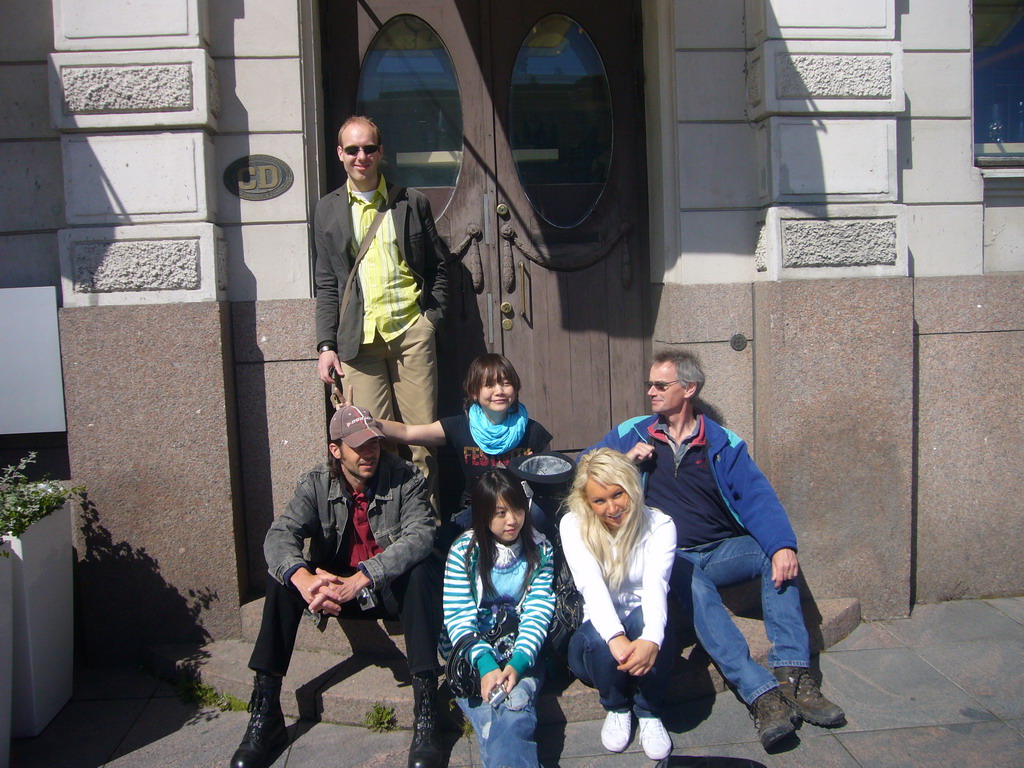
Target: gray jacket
(424, 252)
(401, 519)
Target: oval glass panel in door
(407, 85)
(560, 121)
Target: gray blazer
(401, 519)
(422, 248)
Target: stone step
(341, 688)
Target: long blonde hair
(611, 549)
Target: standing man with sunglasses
(731, 528)
(380, 336)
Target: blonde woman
(621, 552)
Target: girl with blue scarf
(493, 430)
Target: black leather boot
(266, 732)
(425, 750)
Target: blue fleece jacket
(744, 489)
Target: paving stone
(980, 669)
(968, 745)
(955, 622)
(171, 734)
(99, 683)
(73, 740)
(894, 688)
(867, 635)
(820, 751)
(1011, 606)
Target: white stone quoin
(95, 25)
(827, 160)
(832, 241)
(138, 178)
(819, 20)
(144, 264)
(112, 90)
(834, 77)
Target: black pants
(417, 593)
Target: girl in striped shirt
(501, 562)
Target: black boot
(425, 750)
(266, 731)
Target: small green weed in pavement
(202, 695)
(381, 719)
(466, 727)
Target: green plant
(203, 695)
(381, 718)
(24, 502)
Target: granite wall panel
(970, 455)
(833, 410)
(969, 449)
(702, 319)
(151, 434)
(282, 434)
(281, 412)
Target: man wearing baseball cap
(370, 530)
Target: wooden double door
(523, 123)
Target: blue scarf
(496, 439)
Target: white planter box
(42, 603)
(6, 642)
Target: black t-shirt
(474, 461)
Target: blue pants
(506, 733)
(591, 661)
(696, 576)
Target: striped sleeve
(459, 601)
(538, 607)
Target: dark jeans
(418, 596)
(591, 661)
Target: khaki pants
(397, 380)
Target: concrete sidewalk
(942, 688)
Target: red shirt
(358, 544)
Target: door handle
(471, 244)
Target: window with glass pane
(999, 82)
(560, 121)
(407, 84)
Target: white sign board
(31, 383)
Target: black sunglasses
(369, 149)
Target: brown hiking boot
(772, 716)
(800, 689)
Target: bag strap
(364, 246)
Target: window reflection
(407, 84)
(999, 81)
(560, 120)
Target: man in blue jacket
(731, 528)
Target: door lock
(506, 307)
(506, 324)
(502, 209)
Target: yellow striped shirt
(390, 292)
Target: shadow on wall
(120, 579)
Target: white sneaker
(616, 731)
(654, 738)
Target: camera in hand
(498, 694)
(366, 599)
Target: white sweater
(645, 584)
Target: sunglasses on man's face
(368, 149)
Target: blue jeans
(591, 661)
(696, 576)
(505, 732)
